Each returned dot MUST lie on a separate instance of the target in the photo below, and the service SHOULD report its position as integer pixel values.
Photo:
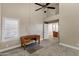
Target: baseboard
(66, 45)
(6, 49)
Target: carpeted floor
(49, 48)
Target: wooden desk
(55, 34)
(29, 38)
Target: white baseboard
(66, 45)
(6, 49)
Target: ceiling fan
(44, 6)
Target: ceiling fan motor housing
(44, 11)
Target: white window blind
(10, 28)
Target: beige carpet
(50, 48)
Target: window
(52, 27)
(55, 27)
(10, 29)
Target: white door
(45, 31)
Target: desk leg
(24, 47)
(38, 41)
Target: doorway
(50, 30)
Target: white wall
(53, 17)
(69, 23)
(36, 20)
(31, 21)
(0, 22)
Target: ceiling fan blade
(51, 7)
(38, 9)
(38, 4)
(47, 4)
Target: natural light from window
(10, 29)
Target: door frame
(52, 21)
